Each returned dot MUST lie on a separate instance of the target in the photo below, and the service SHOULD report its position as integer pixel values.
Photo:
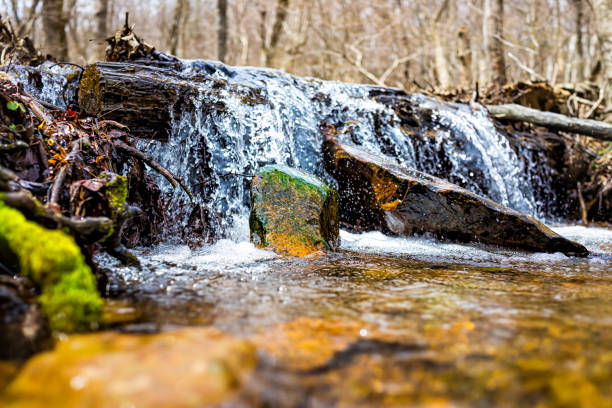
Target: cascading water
(243, 118)
(219, 139)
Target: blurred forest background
(412, 44)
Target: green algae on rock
(293, 212)
(191, 367)
(52, 261)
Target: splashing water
(242, 118)
(222, 136)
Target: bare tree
(440, 60)
(222, 30)
(180, 13)
(603, 15)
(54, 27)
(101, 28)
(270, 49)
(493, 37)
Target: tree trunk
(54, 27)
(175, 31)
(282, 9)
(222, 30)
(493, 33)
(440, 60)
(101, 28)
(577, 74)
(603, 24)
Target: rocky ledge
(378, 194)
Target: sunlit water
(482, 311)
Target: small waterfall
(242, 118)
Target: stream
(399, 321)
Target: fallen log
(138, 96)
(554, 121)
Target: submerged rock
(187, 368)
(53, 262)
(293, 212)
(378, 194)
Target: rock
(54, 263)
(191, 367)
(23, 329)
(293, 212)
(378, 194)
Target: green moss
(293, 211)
(53, 261)
(116, 192)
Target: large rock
(192, 367)
(378, 194)
(293, 212)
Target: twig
(525, 67)
(583, 210)
(148, 159)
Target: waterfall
(242, 118)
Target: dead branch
(554, 121)
(148, 159)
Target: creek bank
(378, 194)
(293, 212)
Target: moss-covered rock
(52, 261)
(293, 212)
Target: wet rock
(187, 368)
(293, 212)
(378, 194)
(23, 330)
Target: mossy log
(138, 96)
(51, 260)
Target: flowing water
(383, 321)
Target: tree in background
(102, 33)
(493, 26)
(603, 19)
(54, 27)
(222, 30)
(178, 25)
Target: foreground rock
(187, 368)
(293, 212)
(377, 194)
(23, 330)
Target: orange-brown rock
(187, 368)
(378, 194)
(293, 212)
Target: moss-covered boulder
(52, 261)
(194, 367)
(293, 212)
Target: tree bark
(603, 25)
(493, 33)
(54, 27)
(222, 30)
(554, 121)
(101, 28)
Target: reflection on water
(445, 323)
